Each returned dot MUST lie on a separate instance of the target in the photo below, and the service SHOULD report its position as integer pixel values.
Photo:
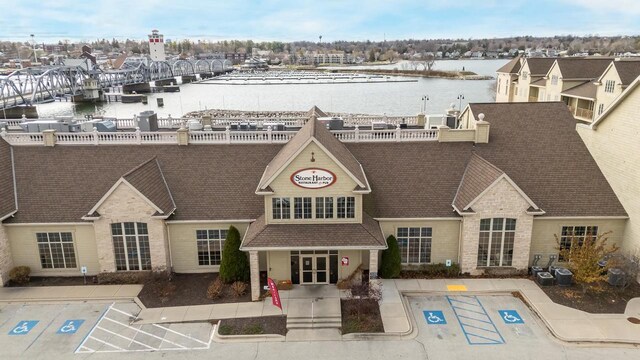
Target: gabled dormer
(313, 179)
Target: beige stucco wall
(604, 97)
(501, 201)
(615, 147)
(543, 241)
(125, 205)
(505, 90)
(22, 239)
(184, 250)
(445, 236)
(6, 261)
(283, 187)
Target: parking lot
(489, 324)
(89, 328)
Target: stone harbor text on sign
(313, 178)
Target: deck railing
(50, 137)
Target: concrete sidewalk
(69, 293)
(565, 323)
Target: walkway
(69, 293)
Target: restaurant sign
(313, 178)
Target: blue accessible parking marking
(476, 324)
(511, 317)
(23, 327)
(70, 327)
(434, 317)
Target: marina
(300, 77)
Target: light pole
(460, 98)
(425, 98)
(33, 43)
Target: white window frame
(123, 238)
(502, 233)
(609, 86)
(209, 242)
(303, 204)
(48, 244)
(277, 204)
(568, 232)
(320, 206)
(554, 79)
(427, 238)
(345, 205)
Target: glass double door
(314, 269)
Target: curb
(406, 335)
(65, 300)
(245, 338)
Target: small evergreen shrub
(390, 265)
(20, 275)
(234, 265)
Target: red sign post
(275, 296)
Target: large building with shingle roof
(587, 85)
(490, 194)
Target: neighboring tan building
(613, 140)
(615, 79)
(507, 80)
(489, 196)
(586, 85)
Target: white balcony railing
(209, 137)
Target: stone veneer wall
(6, 262)
(502, 200)
(125, 205)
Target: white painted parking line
(112, 333)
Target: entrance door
(314, 269)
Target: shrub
(123, 278)
(239, 288)
(346, 283)
(440, 270)
(583, 256)
(390, 263)
(234, 265)
(215, 289)
(20, 275)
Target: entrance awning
(260, 236)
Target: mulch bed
(56, 281)
(254, 326)
(599, 299)
(361, 316)
(184, 290)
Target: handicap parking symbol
(70, 327)
(23, 327)
(434, 317)
(510, 317)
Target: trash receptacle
(616, 277)
(544, 278)
(564, 277)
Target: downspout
(13, 172)
(169, 241)
(460, 243)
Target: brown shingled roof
(314, 129)
(586, 90)
(539, 66)
(535, 144)
(583, 68)
(628, 70)
(478, 176)
(512, 67)
(7, 194)
(365, 235)
(149, 180)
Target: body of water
(402, 98)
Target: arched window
(495, 246)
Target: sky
(276, 20)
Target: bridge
(35, 85)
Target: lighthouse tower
(156, 46)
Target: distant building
(156, 46)
(236, 58)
